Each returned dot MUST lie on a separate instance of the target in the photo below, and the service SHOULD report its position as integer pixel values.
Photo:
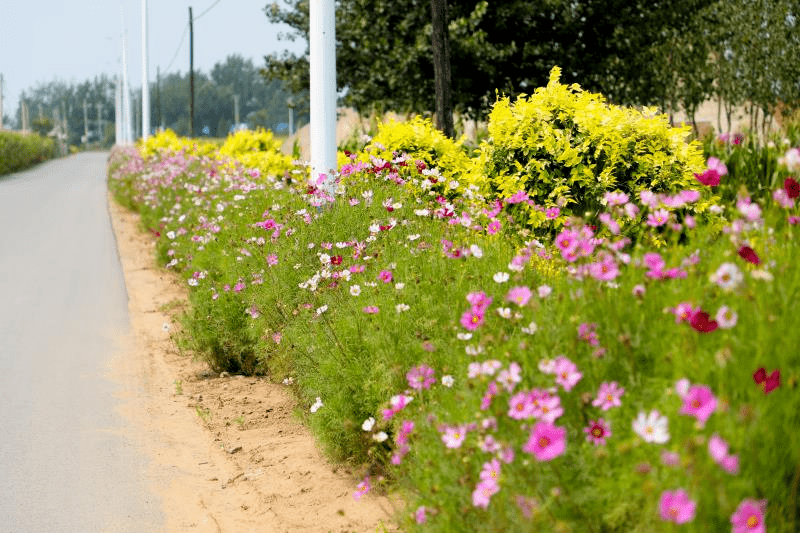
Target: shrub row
(19, 151)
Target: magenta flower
(546, 442)
(605, 270)
(546, 408)
(272, 259)
(371, 310)
(479, 300)
(699, 402)
(675, 506)
(567, 241)
(517, 197)
(519, 295)
(597, 431)
(749, 517)
(657, 218)
(493, 227)
(566, 372)
(420, 377)
(385, 276)
(472, 319)
(608, 396)
(419, 515)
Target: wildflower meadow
(586, 323)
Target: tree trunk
(441, 68)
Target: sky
(76, 40)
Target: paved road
(65, 462)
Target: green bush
(20, 151)
(566, 148)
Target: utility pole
(145, 78)
(127, 135)
(441, 68)
(290, 103)
(236, 109)
(41, 113)
(158, 96)
(117, 113)
(191, 74)
(1, 101)
(100, 122)
(322, 35)
(85, 120)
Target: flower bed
(633, 370)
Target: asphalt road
(66, 464)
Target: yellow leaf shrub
(257, 149)
(567, 147)
(168, 140)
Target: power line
(207, 10)
(178, 50)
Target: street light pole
(322, 35)
(145, 78)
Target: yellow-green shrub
(19, 151)
(567, 147)
(257, 149)
(169, 140)
(420, 140)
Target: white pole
(118, 112)
(145, 78)
(1, 101)
(127, 134)
(322, 35)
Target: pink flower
(567, 374)
(361, 489)
(546, 408)
(453, 437)
(675, 506)
(419, 515)
(520, 406)
(517, 197)
(670, 458)
(546, 442)
(653, 261)
(491, 471)
(726, 317)
(272, 259)
(484, 492)
(609, 222)
(371, 310)
(519, 295)
(605, 270)
(749, 517)
(567, 241)
(615, 198)
(597, 432)
(657, 218)
(684, 312)
(385, 276)
(718, 449)
(699, 402)
(420, 377)
(479, 300)
(608, 396)
(493, 227)
(472, 319)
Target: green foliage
(566, 147)
(20, 151)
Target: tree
(441, 67)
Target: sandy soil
(227, 453)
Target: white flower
(322, 309)
(544, 291)
(500, 277)
(317, 405)
(399, 286)
(530, 329)
(547, 366)
(682, 387)
(728, 276)
(193, 282)
(311, 245)
(402, 307)
(380, 436)
(476, 251)
(324, 259)
(368, 424)
(464, 336)
(652, 427)
(716, 209)
(374, 228)
(355, 290)
(448, 381)
(288, 381)
(165, 327)
(474, 350)
(516, 268)
(171, 235)
(761, 274)
(726, 317)
(504, 312)
(413, 237)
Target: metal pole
(145, 78)
(100, 135)
(236, 109)
(85, 120)
(158, 96)
(322, 34)
(127, 135)
(118, 113)
(1, 101)
(191, 74)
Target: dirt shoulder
(227, 453)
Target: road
(66, 462)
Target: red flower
(749, 255)
(791, 187)
(771, 382)
(700, 321)
(336, 260)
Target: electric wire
(179, 48)
(207, 10)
